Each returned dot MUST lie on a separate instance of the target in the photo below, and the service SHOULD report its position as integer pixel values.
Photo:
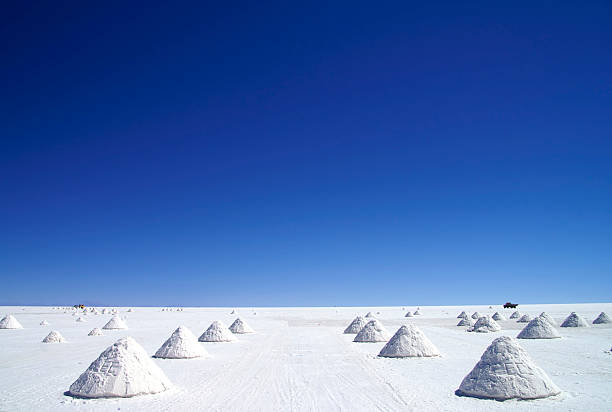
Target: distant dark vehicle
(510, 305)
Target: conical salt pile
(574, 320)
(239, 326)
(524, 319)
(462, 315)
(476, 315)
(122, 370)
(539, 328)
(54, 337)
(515, 315)
(182, 344)
(44, 323)
(115, 323)
(80, 319)
(602, 318)
(466, 322)
(408, 314)
(373, 331)
(217, 332)
(95, 332)
(409, 342)
(485, 324)
(417, 312)
(498, 316)
(506, 371)
(548, 318)
(9, 322)
(369, 315)
(356, 325)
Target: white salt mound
(409, 342)
(95, 332)
(417, 312)
(80, 319)
(548, 318)
(463, 315)
(466, 322)
(182, 344)
(9, 322)
(115, 323)
(54, 337)
(122, 370)
(539, 328)
(602, 318)
(485, 324)
(574, 320)
(498, 316)
(44, 323)
(369, 315)
(240, 326)
(373, 331)
(356, 325)
(476, 315)
(524, 319)
(506, 371)
(515, 315)
(217, 332)
(408, 314)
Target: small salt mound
(369, 315)
(548, 318)
(524, 319)
(574, 320)
(373, 331)
(115, 323)
(356, 325)
(217, 332)
(506, 371)
(476, 315)
(233, 312)
(44, 323)
(498, 316)
(539, 328)
(602, 318)
(417, 312)
(54, 337)
(240, 326)
(130, 310)
(80, 319)
(122, 370)
(409, 342)
(10, 322)
(485, 324)
(462, 315)
(182, 344)
(408, 314)
(515, 315)
(95, 332)
(466, 322)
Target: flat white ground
(300, 360)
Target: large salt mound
(239, 326)
(548, 318)
(373, 331)
(574, 320)
(217, 332)
(485, 324)
(182, 344)
(466, 322)
(539, 328)
(476, 315)
(115, 323)
(498, 316)
(515, 315)
(95, 332)
(506, 371)
(409, 342)
(356, 325)
(524, 319)
(408, 314)
(602, 318)
(9, 322)
(462, 315)
(54, 337)
(122, 370)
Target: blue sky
(315, 154)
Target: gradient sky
(282, 154)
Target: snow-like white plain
(300, 360)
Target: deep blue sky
(353, 153)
